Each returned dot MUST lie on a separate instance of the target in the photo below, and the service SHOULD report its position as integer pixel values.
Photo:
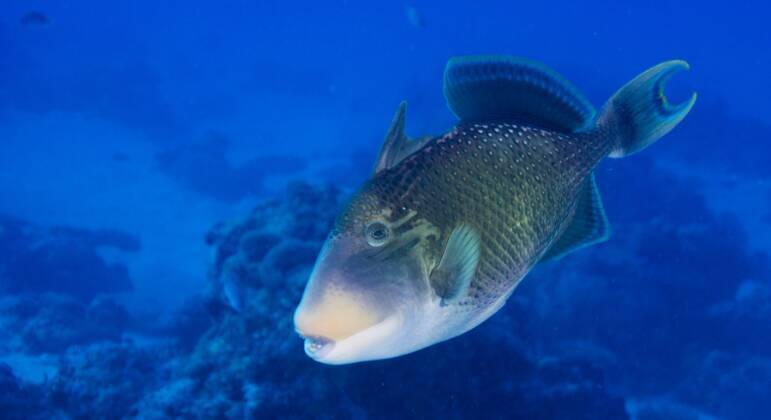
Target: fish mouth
(375, 342)
(317, 347)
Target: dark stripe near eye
(395, 250)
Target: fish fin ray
(639, 113)
(588, 226)
(397, 145)
(498, 87)
(452, 277)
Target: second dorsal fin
(497, 87)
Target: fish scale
(518, 206)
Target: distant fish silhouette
(416, 20)
(234, 290)
(35, 18)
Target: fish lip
(339, 352)
(317, 347)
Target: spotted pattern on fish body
(515, 184)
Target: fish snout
(330, 317)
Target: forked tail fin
(638, 114)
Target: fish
(414, 17)
(233, 290)
(35, 18)
(446, 227)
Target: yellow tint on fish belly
(336, 316)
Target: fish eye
(377, 233)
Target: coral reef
(675, 285)
(19, 400)
(55, 286)
(251, 363)
(61, 260)
(106, 380)
(728, 385)
(51, 323)
(643, 326)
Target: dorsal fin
(397, 145)
(496, 88)
(587, 227)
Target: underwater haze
(169, 172)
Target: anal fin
(588, 226)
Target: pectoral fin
(452, 277)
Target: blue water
(150, 150)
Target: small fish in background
(233, 289)
(414, 17)
(446, 227)
(35, 18)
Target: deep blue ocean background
(151, 151)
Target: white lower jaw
(380, 341)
